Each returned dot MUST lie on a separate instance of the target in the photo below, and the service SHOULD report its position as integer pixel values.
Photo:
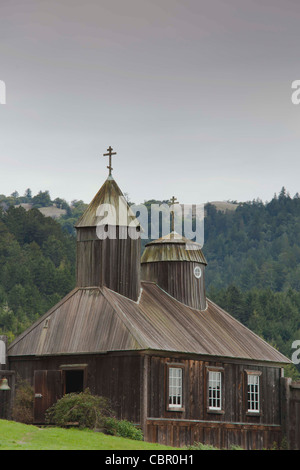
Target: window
(74, 381)
(197, 272)
(74, 377)
(253, 392)
(175, 387)
(214, 390)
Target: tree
(28, 194)
(42, 199)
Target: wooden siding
(196, 423)
(116, 376)
(114, 263)
(195, 391)
(221, 435)
(170, 262)
(136, 385)
(290, 408)
(178, 279)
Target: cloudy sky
(194, 95)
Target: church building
(141, 331)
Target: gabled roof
(97, 320)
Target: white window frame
(214, 390)
(253, 393)
(175, 388)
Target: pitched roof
(97, 320)
(111, 198)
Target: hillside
(252, 249)
(37, 267)
(19, 436)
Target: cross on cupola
(172, 202)
(109, 154)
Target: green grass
(17, 436)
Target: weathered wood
(290, 398)
(220, 435)
(196, 386)
(178, 279)
(47, 390)
(114, 263)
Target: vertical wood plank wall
(136, 384)
(114, 263)
(197, 424)
(178, 279)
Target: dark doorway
(74, 381)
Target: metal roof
(95, 320)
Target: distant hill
(224, 206)
(252, 249)
(55, 212)
(50, 211)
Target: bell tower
(177, 265)
(108, 242)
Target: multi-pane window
(175, 387)
(253, 392)
(214, 390)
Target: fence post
(285, 383)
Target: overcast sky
(193, 95)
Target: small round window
(197, 272)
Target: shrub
(83, 408)
(90, 411)
(122, 428)
(200, 446)
(23, 404)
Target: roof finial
(172, 202)
(109, 154)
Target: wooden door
(47, 390)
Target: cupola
(177, 265)
(108, 245)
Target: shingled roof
(98, 320)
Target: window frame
(171, 406)
(256, 400)
(72, 367)
(211, 409)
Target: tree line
(253, 256)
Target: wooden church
(142, 332)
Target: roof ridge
(108, 293)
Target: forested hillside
(37, 267)
(256, 245)
(253, 255)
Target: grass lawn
(17, 436)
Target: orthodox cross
(109, 154)
(172, 202)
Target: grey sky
(195, 96)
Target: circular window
(197, 272)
